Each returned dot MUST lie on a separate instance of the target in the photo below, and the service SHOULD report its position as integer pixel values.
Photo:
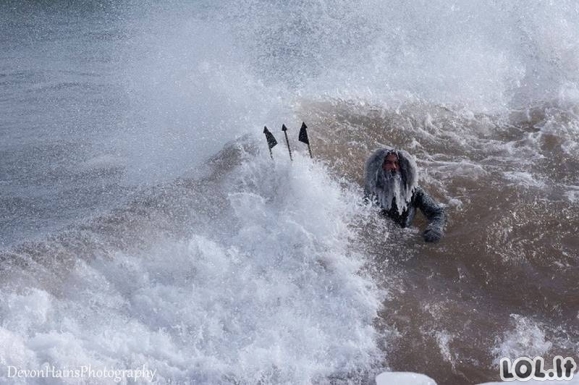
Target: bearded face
(391, 177)
(390, 190)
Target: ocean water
(143, 222)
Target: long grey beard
(391, 191)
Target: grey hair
(374, 175)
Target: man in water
(392, 183)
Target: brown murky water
(503, 282)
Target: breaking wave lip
(249, 274)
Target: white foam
(462, 167)
(526, 339)
(574, 381)
(524, 179)
(403, 378)
(277, 298)
(409, 378)
(572, 194)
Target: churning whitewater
(269, 289)
(144, 227)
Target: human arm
(434, 213)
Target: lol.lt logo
(524, 368)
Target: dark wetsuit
(374, 183)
